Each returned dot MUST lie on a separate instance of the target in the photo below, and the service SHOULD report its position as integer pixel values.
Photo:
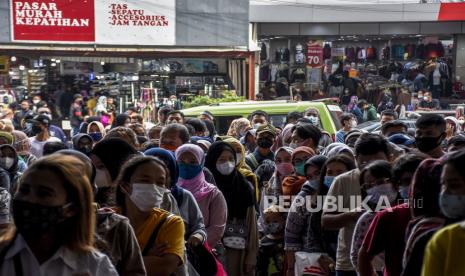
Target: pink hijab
(197, 185)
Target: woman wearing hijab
(239, 127)
(108, 156)
(96, 130)
(293, 183)
(211, 129)
(190, 159)
(284, 168)
(241, 236)
(185, 202)
(22, 146)
(242, 167)
(9, 162)
(102, 110)
(83, 143)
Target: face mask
(353, 123)
(425, 98)
(264, 143)
(35, 101)
(238, 158)
(225, 168)
(329, 181)
(189, 171)
(242, 133)
(285, 168)
(385, 190)
(147, 196)
(313, 183)
(102, 179)
(36, 130)
(169, 147)
(404, 192)
(273, 228)
(32, 219)
(427, 144)
(300, 168)
(313, 120)
(256, 126)
(7, 162)
(48, 115)
(452, 206)
(96, 136)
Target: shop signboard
(135, 22)
(314, 55)
(52, 20)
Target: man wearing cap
(41, 134)
(265, 135)
(75, 114)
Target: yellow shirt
(91, 104)
(172, 232)
(444, 253)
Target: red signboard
(53, 20)
(451, 12)
(314, 55)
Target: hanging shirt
(436, 77)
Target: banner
(314, 55)
(53, 20)
(115, 22)
(135, 22)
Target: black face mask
(36, 130)
(32, 220)
(427, 144)
(264, 143)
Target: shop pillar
(460, 58)
(251, 83)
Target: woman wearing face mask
(61, 241)
(241, 236)
(83, 143)
(211, 201)
(241, 166)
(426, 213)
(114, 236)
(292, 184)
(160, 234)
(444, 253)
(284, 167)
(312, 169)
(9, 162)
(303, 228)
(108, 156)
(377, 184)
(22, 146)
(96, 130)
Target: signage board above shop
(128, 22)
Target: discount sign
(314, 55)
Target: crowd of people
(124, 197)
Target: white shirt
(37, 147)
(63, 262)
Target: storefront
(139, 53)
(383, 49)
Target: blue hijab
(170, 161)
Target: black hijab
(235, 188)
(120, 120)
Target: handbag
(235, 234)
(315, 264)
(202, 260)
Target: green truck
(225, 113)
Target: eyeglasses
(378, 182)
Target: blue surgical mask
(299, 168)
(404, 191)
(329, 181)
(96, 136)
(189, 171)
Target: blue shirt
(340, 136)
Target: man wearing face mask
(259, 118)
(23, 112)
(313, 115)
(266, 135)
(429, 134)
(55, 131)
(41, 134)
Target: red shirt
(387, 234)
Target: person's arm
(252, 243)
(295, 225)
(197, 233)
(357, 238)
(131, 261)
(162, 266)
(218, 215)
(365, 268)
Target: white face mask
(225, 168)
(238, 158)
(147, 196)
(101, 179)
(382, 190)
(7, 162)
(256, 126)
(35, 101)
(353, 123)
